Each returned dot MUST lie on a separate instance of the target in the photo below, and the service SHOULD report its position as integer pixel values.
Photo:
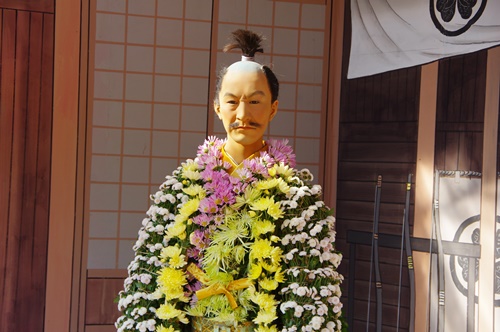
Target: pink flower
(208, 205)
(199, 239)
(281, 152)
(202, 219)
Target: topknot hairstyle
(249, 43)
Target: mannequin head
(246, 97)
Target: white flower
(324, 292)
(170, 198)
(335, 259)
(315, 252)
(322, 309)
(316, 189)
(298, 311)
(177, 186)
(287, 305)
(145, 279)
(325, 243)
(151, 325)
(316, 229)
(290, 254)
(301, 291)
(316, 322)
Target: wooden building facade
(442, 115)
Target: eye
(233, 102)
(255, 102)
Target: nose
(242, 111)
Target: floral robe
(254, 248)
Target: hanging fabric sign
(393, 34)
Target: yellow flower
(266, 302)
(262, 328)
(182, 318)
(249, 196)
(268, 256)
(189, 208)
(176, 230)
(195, 190)
(177, 261)
(265, 317)
(268, 284)
(167, 311)
(262, 203)
(284, 187)
(171, 281)
(272, 171)
(191, 175)
(162, 328)
(279, 276)
(283, 169)
(261, 248)
(266, 184)
(189, 165)
(260, 227)
(173, 254)
(274, 210)
(255, 271)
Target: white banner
(393, 34)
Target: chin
(245, 140)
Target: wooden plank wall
(26, 69)
(378, 135)
(460, 112)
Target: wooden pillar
(488, 194)
(424, 188)
(333, 104)
(64, 166)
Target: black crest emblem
(443, 11)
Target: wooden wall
(26, 71)
(378, 135)
(460, 112)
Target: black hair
(249, 43)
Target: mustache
(237, 124)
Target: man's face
(245, 106)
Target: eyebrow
(257, 92)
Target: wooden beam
(64, 165)
(45, 6)
(488, 193)
(423, 187)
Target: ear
(274, 110)
(217, 109)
